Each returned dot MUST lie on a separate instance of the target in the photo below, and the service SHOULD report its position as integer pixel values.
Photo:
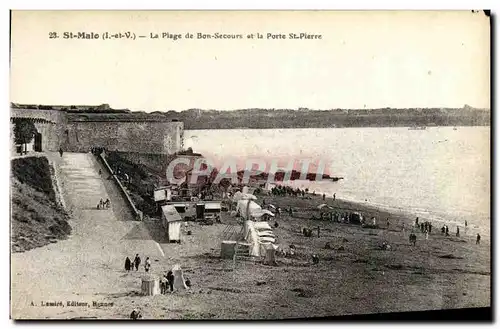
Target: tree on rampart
(24, 132)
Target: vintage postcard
(250, 165)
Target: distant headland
(256, 118)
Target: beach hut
(180, 207)
(212, 210)
(200, 210)
(162, 194)
(171, 221)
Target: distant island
(255, 118)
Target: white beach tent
(247, 209)
(171, 221)
(243, 196)
(179, 281)
(262, 212)
(258, 243)
(262, 226)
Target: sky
(364, 60)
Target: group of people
(426, 228)
(129, 265)
(103, 204)
(167, 282)
(290, 191)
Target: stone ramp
(91, 261)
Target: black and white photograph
(250, 165)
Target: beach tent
(258, 243)
(263, 212)
(270, 252)
(247, 209)
(243, 196)
(262, 226)
(266, 234)
(179, 281)
(171, 221)
(356, 218)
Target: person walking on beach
(324, 196)
(466, 223)
(128, 264)
(137, 261)
(318, 231)
(61, 152)
(387, 222)
(478, 239)
(170, 278)
(446, 231)
(426, 235)
(458, 231)
(430, 228)
(163, 284)
(416, 222)
(413, 239)
(147, 264)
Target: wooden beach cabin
(212, 210)
(171, 221)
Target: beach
(356, 276)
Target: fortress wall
(50, 115)
(155, 162)
(51, 132)
(150, 137)
(139, 137)
(50, 136)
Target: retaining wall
(137, 212)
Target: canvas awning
(262, 226)
(264, 233)
(243, 196)
(265, 239)
(212, 206)
(262, 212)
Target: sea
(441, 173)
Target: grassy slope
(37, 219)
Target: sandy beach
(354, 277)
